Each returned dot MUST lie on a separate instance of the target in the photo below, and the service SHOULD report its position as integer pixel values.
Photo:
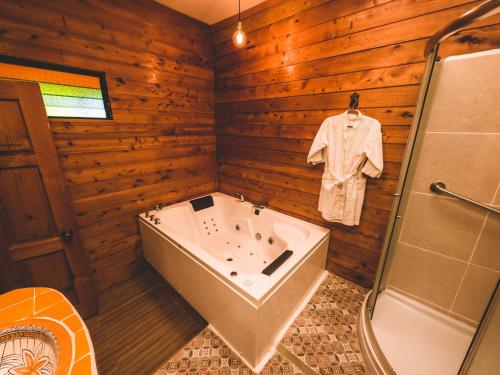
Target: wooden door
(39, 244)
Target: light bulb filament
(239, 37)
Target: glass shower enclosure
(433, 308)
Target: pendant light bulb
(239, 36)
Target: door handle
(67, 235)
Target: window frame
(67, 69)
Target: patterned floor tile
(324, 334)
(323, 338)
(208, 354)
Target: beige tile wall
(448, 252)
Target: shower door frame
(415, 139)
(408, 167)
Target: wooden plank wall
(160, 146)
(303, 60)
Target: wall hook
(354, 100)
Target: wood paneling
(160, 146)
(30, 249)
(302, 62)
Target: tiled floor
(321, 340)
(324, 334)
(207, 353)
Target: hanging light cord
(239, 36)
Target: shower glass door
(443, 259)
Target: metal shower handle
(440, 187)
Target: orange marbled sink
(42, 333)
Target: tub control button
(157, 220)
(151, 218)
(270, 240)
(248, 282)
(258, 236)
(237, 227)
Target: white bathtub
(213, 258)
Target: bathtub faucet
(240, 196)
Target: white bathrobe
(349, 145)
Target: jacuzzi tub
(214, 250)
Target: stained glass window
(66, 92)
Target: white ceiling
(209, 11)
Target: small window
(67, 92)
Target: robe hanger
(353, 104)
